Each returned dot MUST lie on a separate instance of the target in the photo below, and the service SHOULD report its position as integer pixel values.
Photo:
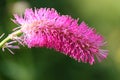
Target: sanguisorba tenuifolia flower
(45, 27)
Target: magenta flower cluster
(45, 27)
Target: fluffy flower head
(45, 27)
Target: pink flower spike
(45, 27)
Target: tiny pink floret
(45, 27)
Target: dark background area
(47, 64)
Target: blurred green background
(46, 64)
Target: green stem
(9, 37)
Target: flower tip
(102, 55)
(83, 23)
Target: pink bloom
(45, 27)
